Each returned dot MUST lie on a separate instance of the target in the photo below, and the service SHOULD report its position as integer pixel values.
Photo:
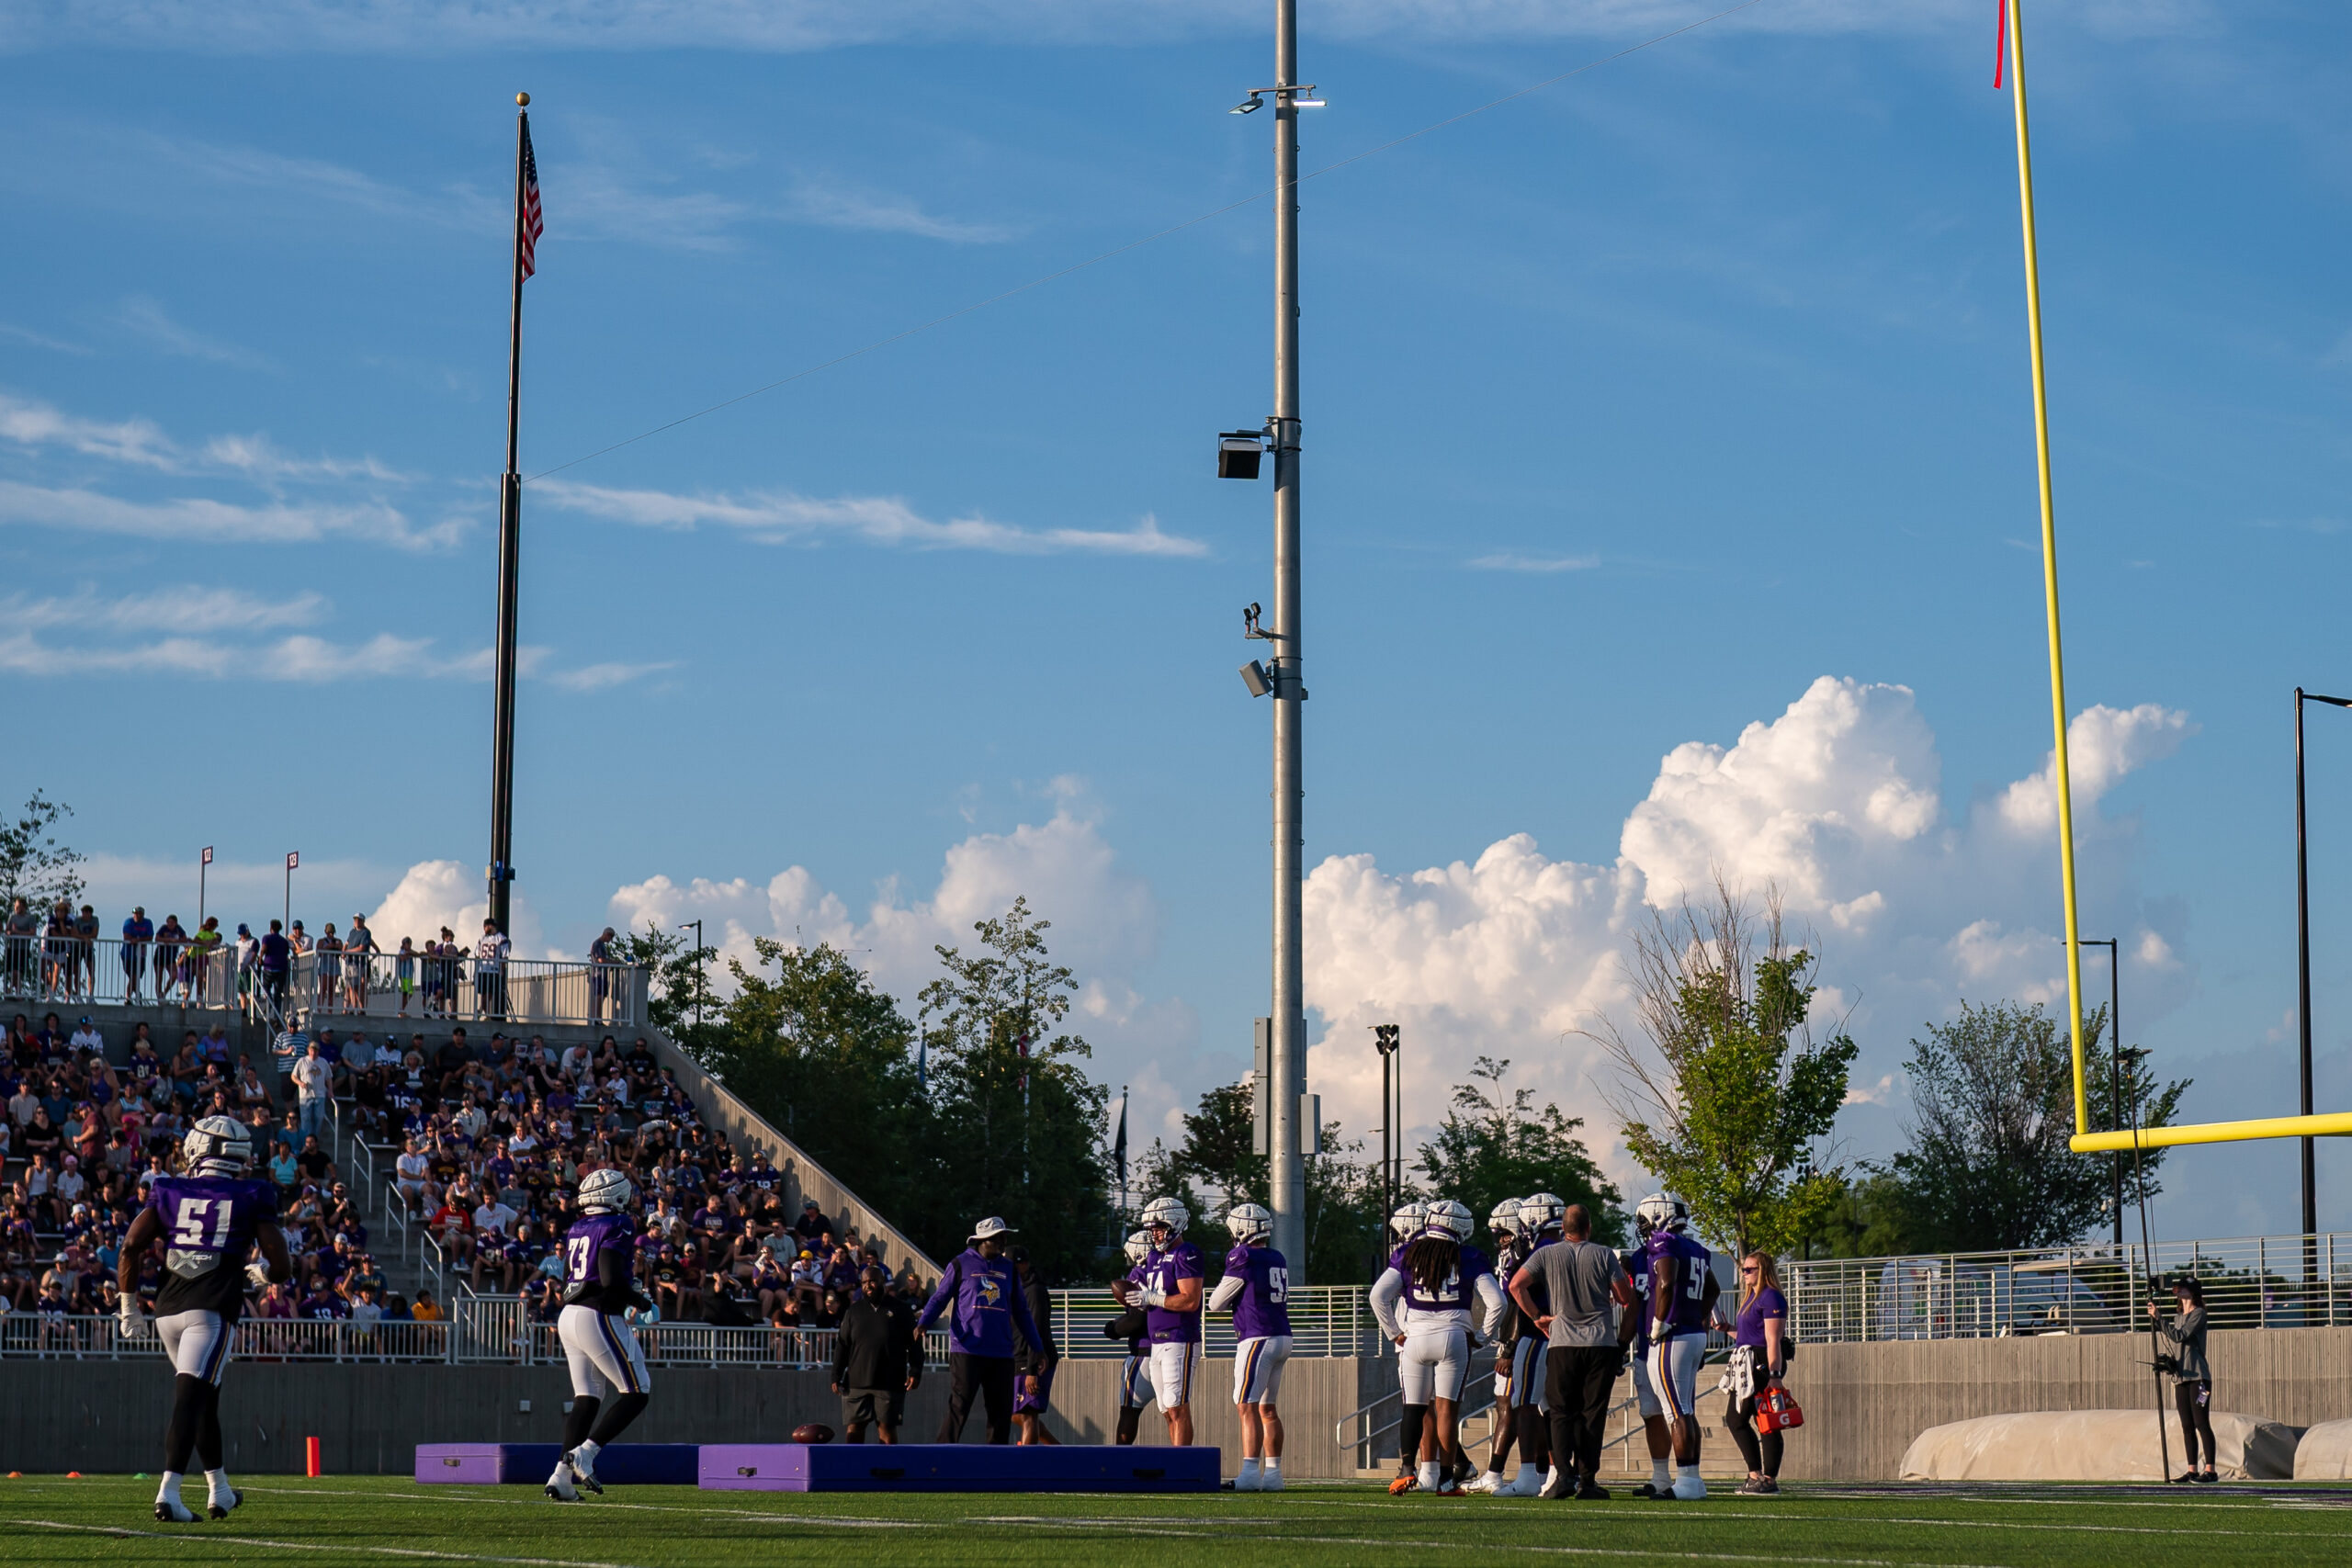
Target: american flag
(532, 226)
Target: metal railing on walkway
(1324, 1320)
(43, 972)
(2291, 1281)
(98, 1337)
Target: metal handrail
(87, 974)
(2249, 1283)
(1365, 1440)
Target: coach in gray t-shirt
(1577, 1282)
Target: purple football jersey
(1453, 1293)
(591, 1237)
(1688, 1313)
(1636, 1265)
(1162, 1269)
(210, 1222)
(1262, 1308)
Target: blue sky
(1633, 410)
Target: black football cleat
(220, 1511)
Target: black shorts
(866, 1407)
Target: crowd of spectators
(82, 1136)
(493, 1138)
(483, 1134)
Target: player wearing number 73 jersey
(207, 1222)
(1257, 1287)
(599, 1342)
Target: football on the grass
(812, 1432)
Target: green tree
(1989, 1168)
(1873, 1217)
(1728, 1091)
(811, 1044)
(33, 865)
(1494, 1145)
(1018, 1122)
(678, 990)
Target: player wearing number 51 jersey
(207, 1223)
(600, 1344)
(1257, 1287)
(1681, 1300)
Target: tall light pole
(2114, 1061)
(1237, 458)
(2303, 975)
(700, 983)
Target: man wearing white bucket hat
(984, 1290)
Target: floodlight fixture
(1254, 676)
(1250, 105)
(1239, 453)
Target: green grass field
(46, 1520)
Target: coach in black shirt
(878, 1359)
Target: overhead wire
(1174, 228)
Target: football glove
(258, 1273)
(1624, 1360)
(133, 1321)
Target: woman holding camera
(1760, 1360)
(2192, 1386)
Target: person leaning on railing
(2192, 1375)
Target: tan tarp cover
(2091, 1445)
(2325, 1452)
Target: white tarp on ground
(2325, 1452)
(2092, 1445)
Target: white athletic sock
(1429, 1476)
(216, 1486)
(1249, 1469)
(1551, 1478)
(169, 1491)
(584, 1456)
(1270, 1465)
(1528, 1481)
(1659, 1478)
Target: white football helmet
(1540, 1213)
(1504, 1220)
(1169, 1212)
(218, 1145)
(1249, 1222)
(1407, 1221)
(1138, 1245)
(1449, 1220)
(605, 1191)
(1661, 1211)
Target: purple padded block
(954, 1467)
(528, 1465)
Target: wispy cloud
(303, 660)
(87, 511)
(41, 340)
(176, 610)
(598, 677)
(141, 444)
(148, 319)
(1507, 561)
(779, 518)
(834, 204)
(286, 26)
(133, 440)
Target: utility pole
(1289, 1164)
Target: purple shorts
(1027, 1403)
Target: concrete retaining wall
(1863, 1404)
(108, 1417)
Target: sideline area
(50, 1519)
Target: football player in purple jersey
(207, 1222)
(1171, 1295)
(599, 1341)
(1134, 1375)
(1683, 1291)
(1256, 1287)
(1432, 1328)
(1636, 1261)
(1510, 1251)
(1403, 1226)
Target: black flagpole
(510, 542)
